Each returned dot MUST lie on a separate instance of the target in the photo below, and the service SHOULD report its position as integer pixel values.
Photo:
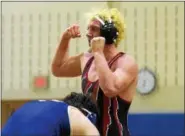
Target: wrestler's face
(93, 30)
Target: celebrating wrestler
(108, 75)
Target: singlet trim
(87, 67)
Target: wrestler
(108, 75)
(75, 115)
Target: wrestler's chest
(93, 74)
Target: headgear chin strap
(108, 30)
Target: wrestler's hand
(72, 32)
(97, 44)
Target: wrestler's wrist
(64, 43)
(97, 52)
(65, 37)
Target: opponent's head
(107, 23)
(84, 104)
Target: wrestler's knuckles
(98, 42)
(72, 31)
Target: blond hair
(115, 16)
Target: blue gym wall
(165, 124)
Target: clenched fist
(97, 44)
(72, 32)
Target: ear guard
(90, 115)
(108, 30)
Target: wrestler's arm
(114, 82)
(63, 65)
(79, 124)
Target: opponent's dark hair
(80, 101)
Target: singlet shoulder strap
(88, 64)
(115, 58)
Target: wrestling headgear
(108, 30)
(90, 115)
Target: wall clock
(146, 81)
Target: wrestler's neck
(110, 51)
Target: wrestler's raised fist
(72, 32)
(97, 44)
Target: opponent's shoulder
(72, 109)
(75, 113)
(80, 125)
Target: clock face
(146, 81)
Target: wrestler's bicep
(126, 73)
(70, 68)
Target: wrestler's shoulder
(128, 59)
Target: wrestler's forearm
(61, 53)
(106, 76)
